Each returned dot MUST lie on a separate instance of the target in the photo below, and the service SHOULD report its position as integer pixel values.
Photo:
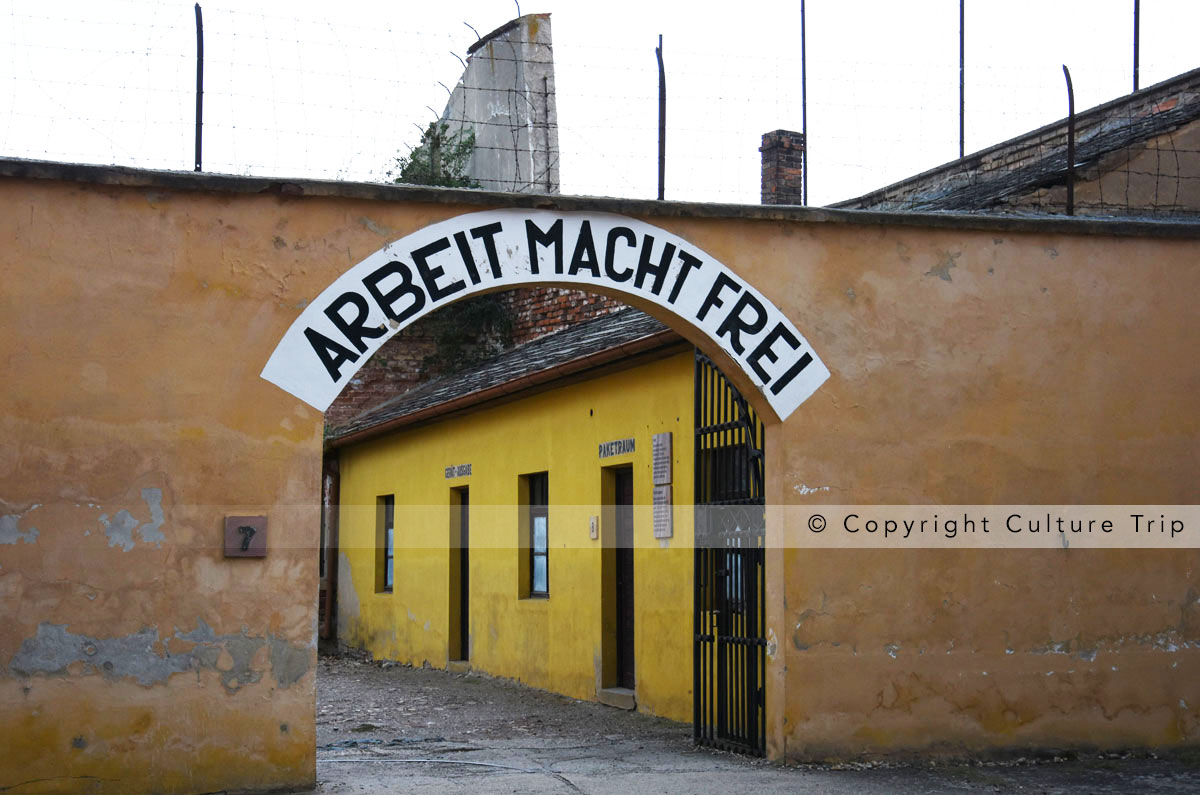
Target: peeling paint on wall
(120, 528)
(10, 528)
(942, 269)
(288, 662)
(376, 228)
(152, 530)
(347, 597)
(54, 650)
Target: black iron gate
(729, 656)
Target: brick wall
(393, 369)
(782, 167)
(538, 311)
(397, 366)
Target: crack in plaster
(1168, 640)
(20, 784)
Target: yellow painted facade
(557, 643)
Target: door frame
(610, 641)
(459, 576)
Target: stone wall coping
(297, 189)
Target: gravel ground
(385, 728)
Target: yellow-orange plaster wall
(972, 362)
(1004, 368)
(556, 643)
(134, 657)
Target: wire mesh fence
(342, 93)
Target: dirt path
(387, 728)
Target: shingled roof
(987, 180)
(599, 341)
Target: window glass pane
(539, 574)
(384, 546)
(539, 534)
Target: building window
(539, 559)
(385, 546)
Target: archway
(500, 249)
(648, 267)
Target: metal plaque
(663, 525)
(661, 453)
(245, 536)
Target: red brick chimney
(782, 167)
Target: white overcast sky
(334, 90)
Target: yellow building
(603, 608)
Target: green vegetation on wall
(479, 327)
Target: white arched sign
(411, 277)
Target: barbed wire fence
(343, 98)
